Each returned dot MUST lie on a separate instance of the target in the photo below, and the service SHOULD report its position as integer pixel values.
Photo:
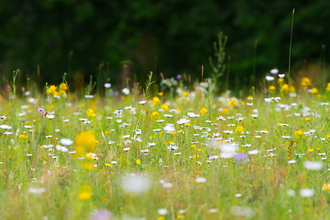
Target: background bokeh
(172, 37)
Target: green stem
(289, 72)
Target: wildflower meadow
(185, 151)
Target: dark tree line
(172, 37)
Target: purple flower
(101, 215)
(178, 76)
(41, 110)
(8, 87)
(116, 93)
(240, 157)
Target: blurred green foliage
(172, 37)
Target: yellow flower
(51, 89)
(185, 94)
(23, 137)
(161, 94)
(239, 129)
(203, 111)
(308, 118)
(180, 84)
(107, 164)
(232, 102)
(138, 161)
(193, 145)
(155, 101)
(178, 109)
(327, 136)
(314, 91)
(310, 150)
(164, 107)
(224, 111)
(299, 133)
(292, 89)
(279, 124)
(86, 139)
(90, 113)
(155, 115)
(85, 193)
(187, 124)
(285, 88)
(305, 82)
(63, 86)
(280, 80)
(34, 120)
(326, 187)
(328, 87)
(180, 216)
(272, 88)
(88, 166)
(56, 93)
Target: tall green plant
(289, 71)
(219, 67)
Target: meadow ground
(182, 154)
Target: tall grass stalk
(290, 47)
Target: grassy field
(181, 154)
